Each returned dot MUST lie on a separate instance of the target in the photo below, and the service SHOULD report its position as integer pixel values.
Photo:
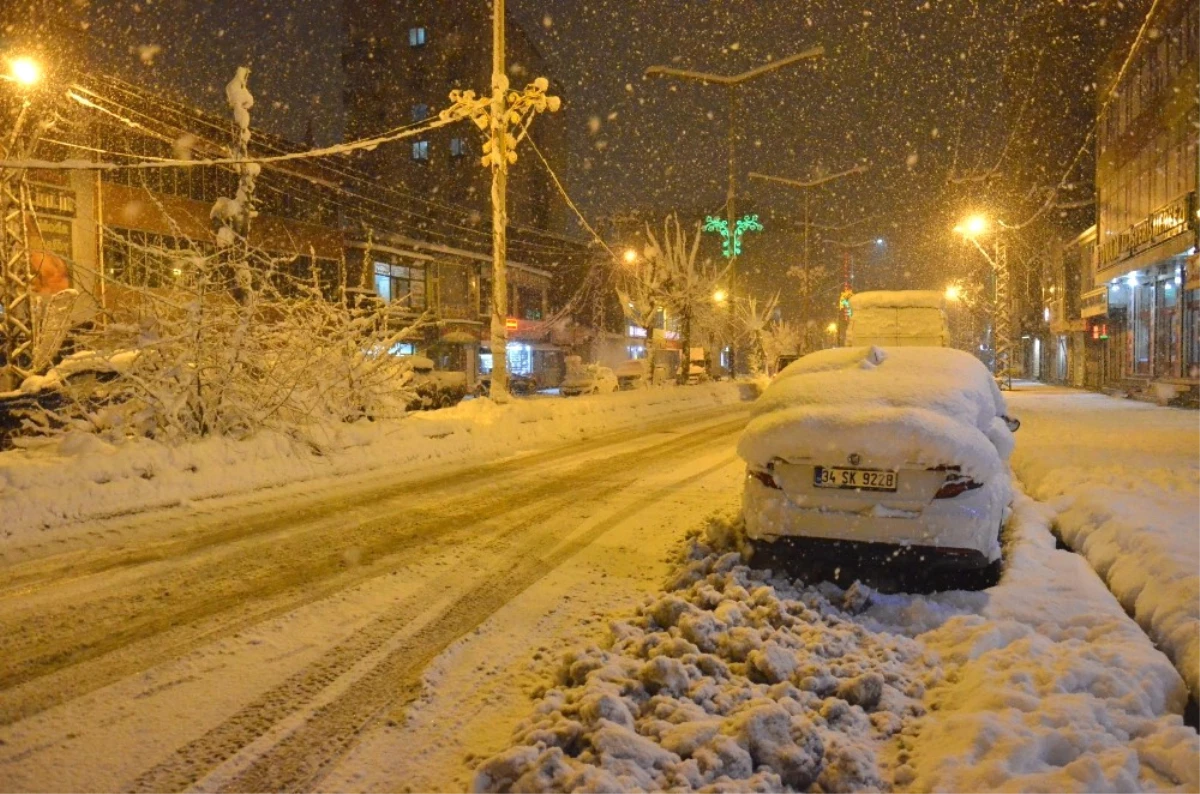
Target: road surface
(289, 640)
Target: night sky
(925, 93)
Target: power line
(272, 143)
(527, 246)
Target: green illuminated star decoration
(731, 244)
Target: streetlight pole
(732, 82)
(970, 229)
(807, 186)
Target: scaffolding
(18, 325)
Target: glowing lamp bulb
(953, 292)
(720, 295)
(973, 226)
(630, 256)
(831, 328)
(25, 71)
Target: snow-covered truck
(900, 318)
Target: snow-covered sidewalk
(80, 477)
(1123, 478)
(733, 680)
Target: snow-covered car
(433, 388)
(868, 451)
(633, 374)
(518, 385)
(587, 379)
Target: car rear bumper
(969, 522)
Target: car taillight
(763, 477)
(955, 483)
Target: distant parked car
(434, 388)
(519, 385)
(633, 374)
(587, 379)
(867, 452)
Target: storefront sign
(55, 234)
(1161, 225)
(49, 200)
(1094, 303)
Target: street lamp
(630, 256)
(971, 228)
(720, 296)
(24, 71)
(954, 293)
(806, 186)
(732, 82)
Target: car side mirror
(1013, 423)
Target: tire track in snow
(303, 754)
(21, 578)
(129, 629)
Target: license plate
(856, 479)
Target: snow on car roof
(898, 299)
(895, 406)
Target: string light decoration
(731, 244)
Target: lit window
(420, 150)
(403, 285)
(420, 112)
(416, 37)
(458, 147)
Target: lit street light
(972, 227)
(630, 256)
(720, 296)
(954, 293)
(24, 71)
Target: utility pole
(732, 82)
(495, 115)
(499, 141)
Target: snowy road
(279, 641)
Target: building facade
(1144, 297)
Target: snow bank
(1126, 493)
(928, 406)
(735, 680)
(80, 477)
(727, 681)
(1045, 684)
